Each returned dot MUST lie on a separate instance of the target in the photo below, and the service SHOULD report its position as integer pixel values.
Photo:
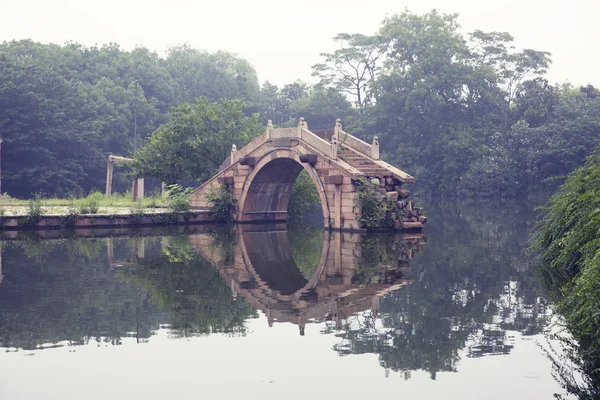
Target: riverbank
(125, 218)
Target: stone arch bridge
(262, 174)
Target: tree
(352, 69)
(196, 140)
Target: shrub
(222, 203)
(376, 210)
(91, 203)
(179, 200)
(34, 210)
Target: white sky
(283, 38)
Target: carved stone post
(233, 154)
(334, 147)
(338, 127)
(269, 128)
(301, 124)
(375, 148)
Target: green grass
(93, 203)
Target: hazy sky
(283, 39)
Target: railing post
(337, 129)
(334, 147)
(269, 128)
(301, 125)
(233, 156)
(375, 148)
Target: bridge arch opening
(267, 190)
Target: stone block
(225, 180)
(248, 161)
(347, 203)
(403, 193)
(308, 158)
(333, 179)
(392, 196)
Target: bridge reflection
(351, 275)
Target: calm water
(267, 313)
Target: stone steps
(363, 164)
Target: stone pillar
(334, 147)
(301, 124)
(375, 148)
(233, 154)
(269, 128)
(337, 129)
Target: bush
(34, 210)
(376, 210)
(222, 203)
(179, 200)
(91, 203)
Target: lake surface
(266, 312)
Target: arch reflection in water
(350, 276)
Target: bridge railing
(320, 144)
(330, 148)
(362, 147)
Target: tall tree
(352, 69)
(196, 140)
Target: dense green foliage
(63, 109)
(465, 114)
(179, 199)
(568, 245)
(222, 203)
(376, 210)
(196, 140)
(304, 197)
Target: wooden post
(140, 187)
(134, 184)
(109, 177)
(163, 189)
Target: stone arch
(267, 187)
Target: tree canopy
(466, 114)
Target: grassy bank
(94, 203)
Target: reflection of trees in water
(57, 291)
(72, 290)
(306, 243)
(185, 284)
(471, 285)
